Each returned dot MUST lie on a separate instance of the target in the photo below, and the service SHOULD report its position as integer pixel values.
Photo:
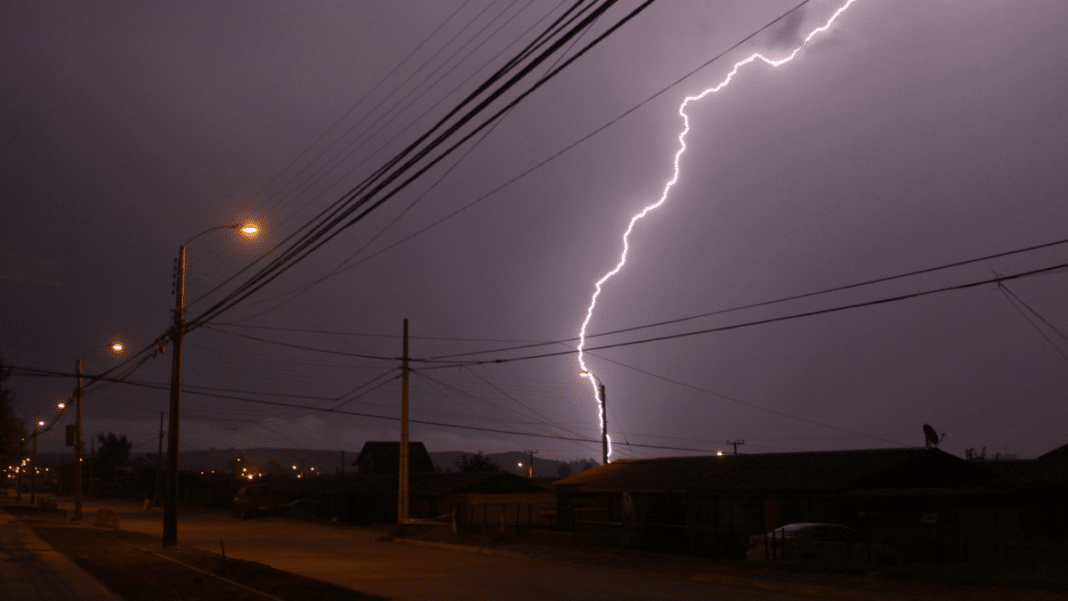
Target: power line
(1013, 300)
(752, 405)
(331, 221)
(871, 303)
(775, 301)
(578, 142)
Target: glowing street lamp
(38, 423)
(170, 502)
(116, 347)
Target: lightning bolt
(753, 58)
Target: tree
(971, 454)
(563, 471)
(477, 463)
(13, 435)
(114, 453)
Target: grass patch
(138, 575)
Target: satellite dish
(930, 437)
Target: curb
(801, 590)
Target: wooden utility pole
(402, 480)
(735, 444)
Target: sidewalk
(30, 569)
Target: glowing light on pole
(756, 56)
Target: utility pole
(735, 444)
(92, 462)
(170, 501)
(604, 428)
(33, 466)
(78, 448)
(402, 480)
(531, 463)
(158, 496)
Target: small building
(383, 458)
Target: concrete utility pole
(604, 427)
(735, 444)
(402, 480)
(78, 447)
(92, 462)
(170, 501)
(33, 464)
(157, 498)
(531, 463)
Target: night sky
(914, 134)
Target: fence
(508, 510)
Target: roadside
(30, 569)
(360, 558)
(134, 566)
(964, 583)
(68, 562)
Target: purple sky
(914, 134)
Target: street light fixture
(79, 445)
(604, 415)
(37, 424)
(170, 501)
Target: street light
(116, 347)
(37, 423)
(170, 501)
(604, 415)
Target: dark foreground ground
(384, 562)
(136, 567)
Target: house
(480, 499)
(382, 458)
(712, 504)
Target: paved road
(355, 558)
(30, 569)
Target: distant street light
(37, 424)
(170, 502)
(79, 445)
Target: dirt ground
(134, 566)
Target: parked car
(817, 542)
(255, 499)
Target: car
(253, 500)
(810, 541)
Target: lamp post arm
(220, 227)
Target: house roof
(809, 471)
(384, 457)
